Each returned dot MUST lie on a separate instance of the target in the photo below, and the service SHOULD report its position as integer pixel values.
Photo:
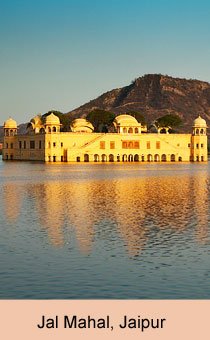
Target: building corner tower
(199, 151)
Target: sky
(60, 54)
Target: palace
(130, 142)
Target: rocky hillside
(155, 95)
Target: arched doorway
(180, 159)
(172, 158)
(124, 158)
(103, 158)
(111, 158)
(86, 157)
(163, 158)
(136, 158)
(130, 158)
(157, 158)
(149, 158)
(96, 158)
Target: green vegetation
(170, 120)
(138, 115)
(101, 119)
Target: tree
(170, 120)
(138, 115)
(100, 119)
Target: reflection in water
(136, 207)
(104, 231)
(12, 200)
(201, 199)
(49, 209)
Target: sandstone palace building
(129, 142)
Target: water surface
(104, 231)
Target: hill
(155, 95)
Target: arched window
(124, 130)
(197, 131)
(136, 158)
(130, 130)
(54, 129)
(202, 131)
(180, 159)
(49, 129)
(136, 130)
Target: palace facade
(130, 142)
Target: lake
(108, 231)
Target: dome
(36, 120)
(126, 120)
(35, 124)
(81, 125)
(10, 124)
(199, 122)
(52, 120)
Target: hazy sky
(59, 54)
